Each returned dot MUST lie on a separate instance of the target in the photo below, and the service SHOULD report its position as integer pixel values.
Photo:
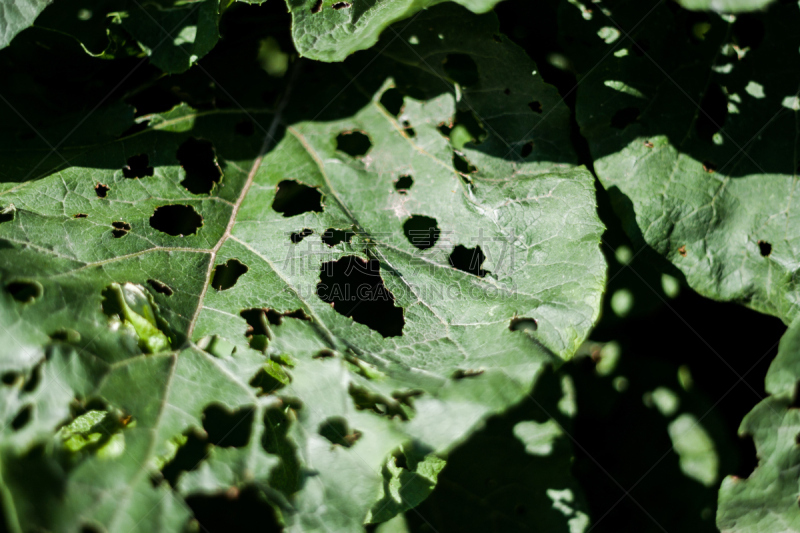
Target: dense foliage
(334, 266)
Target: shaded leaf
(766, 501)
(329, 30)
(699, 161)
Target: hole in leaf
(462, 165)
(421, 231)
(468, 260)
(8, 378)
(625, 117)
(258, 318)
(245, 128)
(333, 236)
(355, 289)
(257, 327)
(461, 374)
(101, 190)
(159, 287)
(25, 291)
(66, 335)
(176, 220)
(709, 167)
(527, 149)
(299, 236)
(34, 380)
(323, 354)
(445, 129)
(507, 91)
(227, 274)
(400, 460)
(536, 106)
(353, 143)
(245, 511)
(466, 128)
(403, 184)
(198, 159)
(22, 418)
(764, 248)
(336, 430)
(497, 38)
(407, 397)
(462, 69)
(682, 250)
(293, 198)
(80, 215)
(392, 101)
(138, 167)
(341, 5)
(409, 131)
(7, 214)
(713, 112)
(266, 382)
(228, 428)
(366, 400)
(120, 229)
(317, 7)
(521, 323)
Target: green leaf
(330, 30)
(767, 500)
(514, 473)
(700, 161)
(205, 245)
(17, 15)
(725, 6)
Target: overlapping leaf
(17, 15)
(230, 263)
(692, 122)
(328, 30)
(725, 6)
(514, 474)
(767, 500)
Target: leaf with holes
(273, 310)
(331, 30)
(696, 141)
(766, 502)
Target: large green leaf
(17, 15)
(725, 6)
(693, 128)
(766, 501)
(329, 30)
(200, 241)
